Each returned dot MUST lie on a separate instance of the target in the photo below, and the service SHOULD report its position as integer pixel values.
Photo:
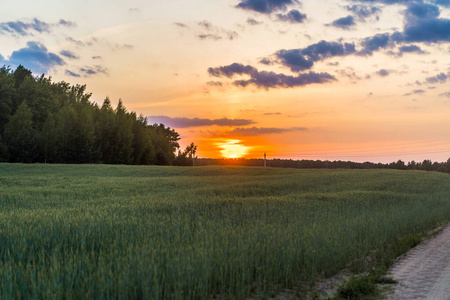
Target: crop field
(147, 232)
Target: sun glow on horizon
(233, 149)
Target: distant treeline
(426, 165)
(55, 122)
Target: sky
(359, 80)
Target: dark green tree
(48, 140)
(105, 132)
(20, 137)
(7, 92)
(123, 140)
(143, 148)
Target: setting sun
(233, 149)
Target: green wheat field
(148, 232)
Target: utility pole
(264, 159)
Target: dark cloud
(231, 70)
(376, 42)
(255, 131)
(96, 57)
(69, 54)
(447, 94)
(303, 59)
(36, 58)
(294, 59)
(383, 72)
(72, 74)
(265, 6)
(428, 31)
(294, 16)
(422, 24)
(344, 23)
(195, 122)
(362, 12)
(411, 49)
(440, 78)
(253, 22)
(421, 11)
(266, 80)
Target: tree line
(55, 122)
(426, 165)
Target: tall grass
(130, 232)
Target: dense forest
(426, 165)
(55, 122)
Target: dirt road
(424, 272)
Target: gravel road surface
(424, 272)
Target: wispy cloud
(254, 131)
(69, 54)
(72, 74)
(181, 25)
(88, 71)
(215, 33)
(253, 22)
(440, 78)
(362, 12)
(415, 92)
(272, 114)
(209, 36)
(80, 43)
(214, 83)
(195, 122)
(257, 131)
(23, 28)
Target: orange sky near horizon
(351, 80)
